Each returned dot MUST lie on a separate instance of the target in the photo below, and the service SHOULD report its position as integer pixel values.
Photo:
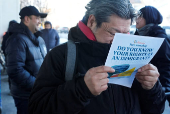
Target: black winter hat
(31, 10)
(151, 15)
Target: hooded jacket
(50, 37)
(25, 53)
(162, 58)
(51, 94)
(6, 36)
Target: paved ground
(8, 106)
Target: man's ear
(91, 21)
(26, 19)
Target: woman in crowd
(147, 25)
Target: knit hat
(151, 15)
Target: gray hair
(103, 9)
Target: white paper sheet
(127, 54)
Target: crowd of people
(37, 64)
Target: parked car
(63, 29)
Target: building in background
(66, 13)
(9, 11)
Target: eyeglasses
(139, 13)
(139, 16)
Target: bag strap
(71, 59)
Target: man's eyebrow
(119, 30)
(116, 30)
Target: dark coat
(162, 58)
(5, 37)
(53, 95)
(51, 38)
(24, 55)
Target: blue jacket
(50, 37)
(25, 53)
(162, 58)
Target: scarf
(144, 30)
(87, 31)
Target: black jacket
(53, 95)
(50, 37)
(24, 56)
(5, 37)
(162, 58)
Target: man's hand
(96, 79)
(147, 76)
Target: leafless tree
(42, 5)
(24, 3)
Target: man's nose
(40, 22)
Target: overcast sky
(69, 12)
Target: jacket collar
(31, 36)
(86, 31)
(153, 31)
(90, 47)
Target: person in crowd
(3, 47)
(25, 52)
(88, 92)
(147, 24)
(6, 36)
(50, 36)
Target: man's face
(34, 23)
(47, 26)
(106, 33)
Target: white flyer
(127, 54)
